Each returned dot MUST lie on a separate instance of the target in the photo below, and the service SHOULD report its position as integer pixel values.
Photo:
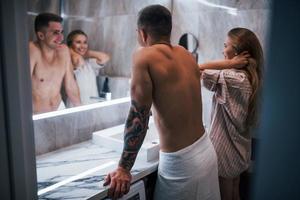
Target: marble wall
(111, 27)
(210, 20)
(111, 24)
(61, 131)
(34, 7)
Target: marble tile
(62, 131)
(211, 37)
(87, 8)
(189, 6)
(211, 24)
(111, 116)
(45, 136)
(38, 6)
(120, 37)
(93, 8)
(84, 127)
(211, 27)
(245, 4)
(30, 22)
(111, 27)
(34, 7)
(100, 8)
(60, 165)
(185, 23)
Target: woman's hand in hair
(241, 60)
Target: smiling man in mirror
(50, 66)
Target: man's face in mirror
(52, 36)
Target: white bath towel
(188, 174)
(61, 106)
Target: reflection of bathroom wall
(61, 131)
(111, 27)
(34, 7)
(210, 20)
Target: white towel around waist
(190, 173)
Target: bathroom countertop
(77, 172)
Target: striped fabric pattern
(228, 132)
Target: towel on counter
(190, 173)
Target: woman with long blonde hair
(236, 82)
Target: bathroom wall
(210, 20)
(34, 7)
(111, 27)
(61, 131)
(111, 24)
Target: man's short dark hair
(43, 19)
(156, 20)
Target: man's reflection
(50, 66)
(86, 65)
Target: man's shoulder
(33, 47)
(63, 49)
(63, 52)
(142, 54)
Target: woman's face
(79, 44)
(229, 51)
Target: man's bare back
(176, 95)
(168, 79)
(50, 65)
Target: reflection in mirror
(86, 65)
(190, 43)
(65, 77)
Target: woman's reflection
(86, 65)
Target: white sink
(113, 138)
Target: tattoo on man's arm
(135, 131)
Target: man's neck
(160, 41)
(46, 51)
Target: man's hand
(240, 60)
(119, 181)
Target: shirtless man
(167, 78)
(50, 66)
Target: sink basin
(113, 138)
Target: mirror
(190, 43)
(111, 80)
